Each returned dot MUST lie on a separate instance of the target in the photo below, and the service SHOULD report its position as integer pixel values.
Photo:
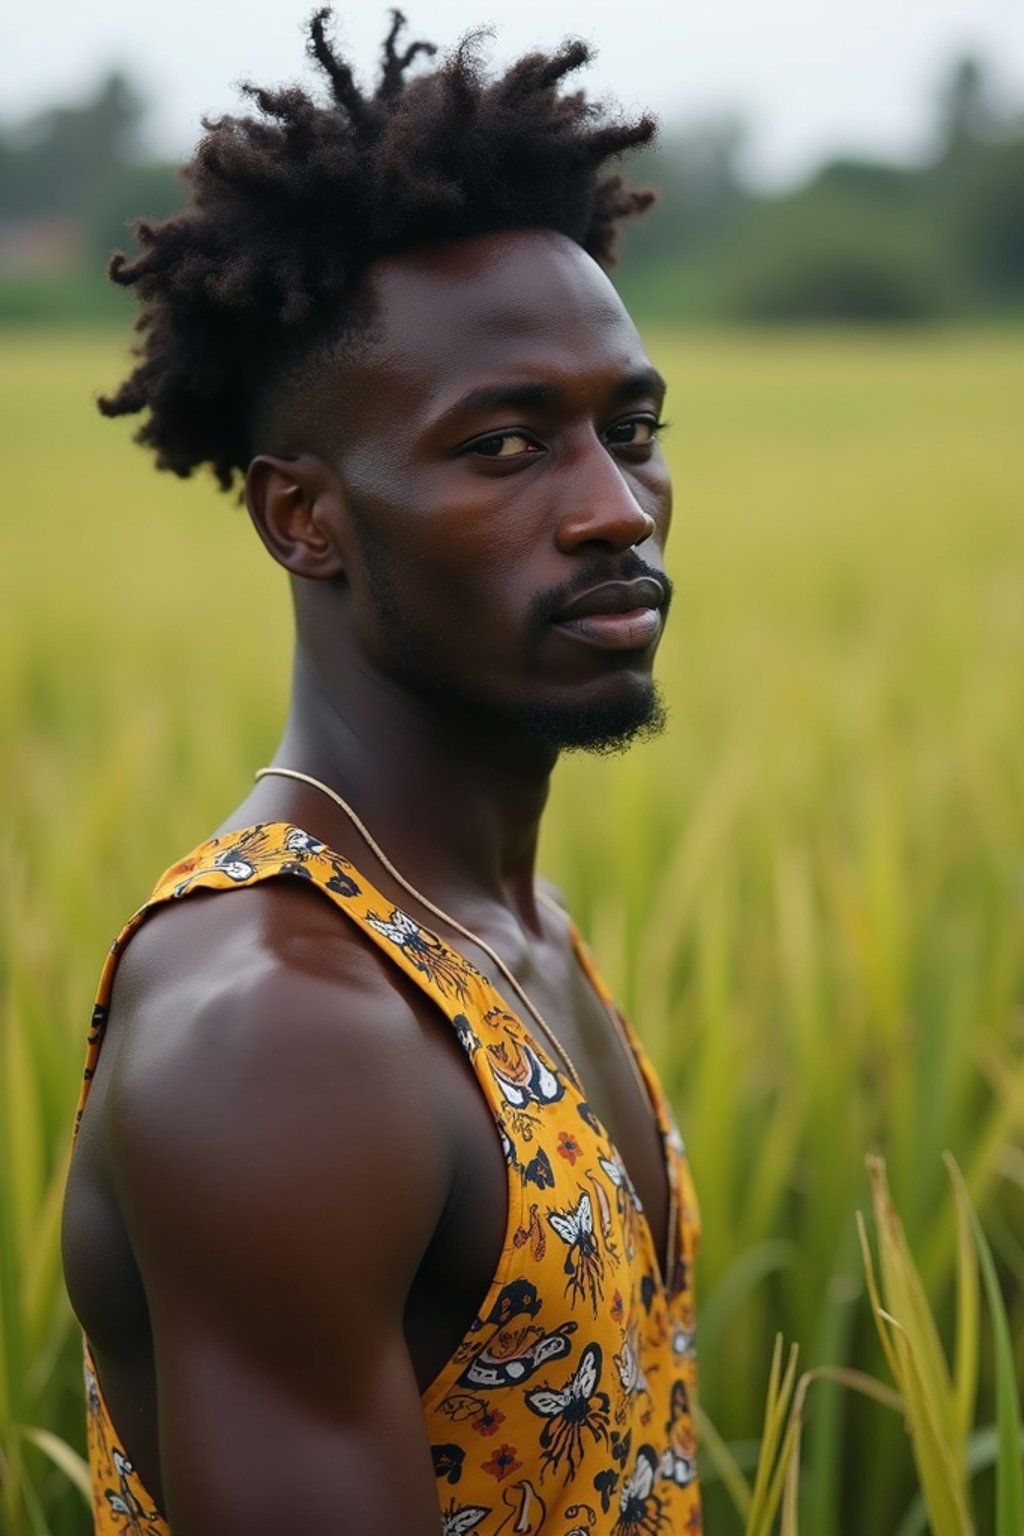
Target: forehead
(515, 307)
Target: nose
(600, 506)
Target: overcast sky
(812, 77)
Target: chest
(591, 1043)
(579, 1356)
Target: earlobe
(297, 507)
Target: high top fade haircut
(287, 209)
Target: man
(377, 1220)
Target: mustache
(626, 567)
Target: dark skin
(289, 1196)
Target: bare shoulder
(269, 1116)
(263, 1059)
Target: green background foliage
(809, 893)
(857, 241)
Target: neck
(453, 798)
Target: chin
(604, 726)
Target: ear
(298, 508)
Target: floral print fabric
(568, 1408)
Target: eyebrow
(646, 381)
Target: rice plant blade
(875, 1300)
(919, 1366)
(1009, 1462)
(940, 1480)
(767, 1484)
(724, 1463)
(859, 1381)
(906, 1300)
(982, 1450)
(769, 1436)
(965, 1370)
(41, 1286)
(73, 1466)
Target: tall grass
(809, 893)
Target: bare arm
(282, 1167)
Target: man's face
(499, 458)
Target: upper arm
(281, 1166)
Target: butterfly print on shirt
(584, 1262)
(426, 951)
(123, 1503)
(640, 1509)
(572, 1411)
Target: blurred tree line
(860, 240)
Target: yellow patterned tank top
(568, 1407)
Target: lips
(614, 597)
(617, 615)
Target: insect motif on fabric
(533, 1234)
(604, 1210)
(538, 1171)
(584, 1262)
(632, 1378)
(626, 1198)
(527, 1510)
(238, 860)
(572, 1412)
(425, 950)
(124, 1503)
(517, 1299)
(679, 1462)
(460, 1406)
(98, 1023)
(524, 1081)
(584, 1517)
(683, 1343)
(95, 1416)
(640, 1509)
(459, 1520)
(514, 1355)
(606, 1482)
(304, 848)
(302, 844)
(468, 1039)
(448, 1459)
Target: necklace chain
(495, 958)
(446, 917)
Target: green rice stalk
(724, 1463)
(906, 1301)
(776, 1443)
(965, 1368)
(74, 1467)
(1009, 1463)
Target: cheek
(655, 494)
(445, 546)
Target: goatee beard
(604, 729)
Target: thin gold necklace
(504, 970)
(467, 933)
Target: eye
(635, 432)
(503, 445)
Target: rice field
(809, 893)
